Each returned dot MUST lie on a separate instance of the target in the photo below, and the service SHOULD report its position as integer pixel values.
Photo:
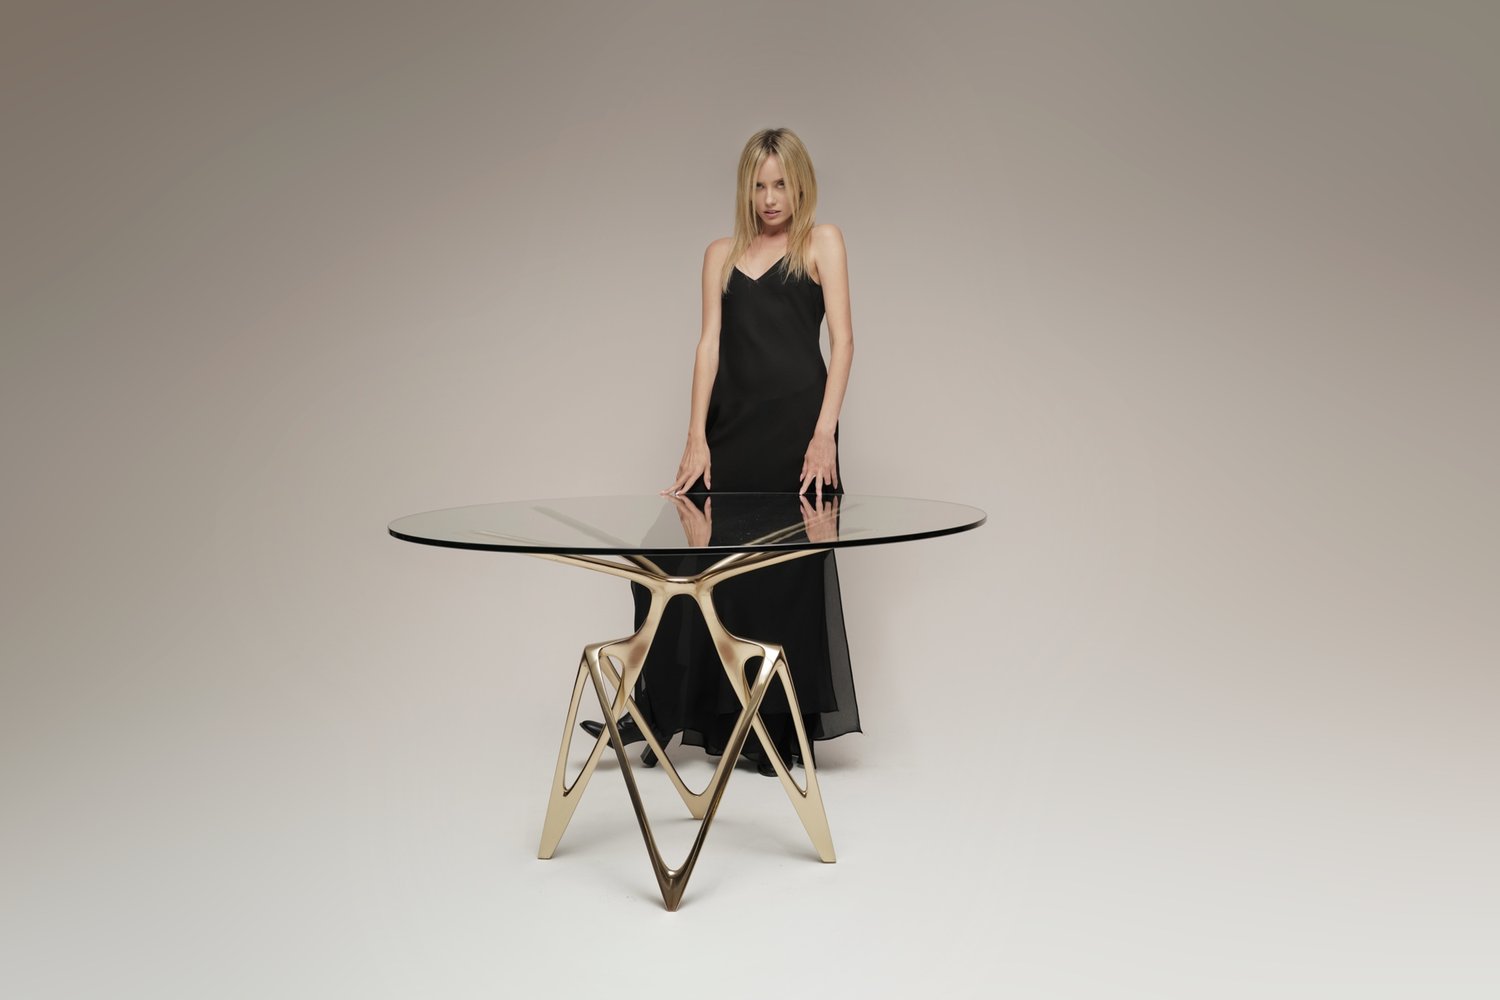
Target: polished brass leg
(696, 802)
(565, 796)
(735, 653)
(673, 881)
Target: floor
(1101, 812)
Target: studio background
(1198, 301)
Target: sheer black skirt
(795, 605)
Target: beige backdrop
(1198, 300)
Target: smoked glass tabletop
(722, 523)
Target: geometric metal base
(598, 664)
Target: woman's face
(770, 197)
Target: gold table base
(734, 653)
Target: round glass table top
(650, 524)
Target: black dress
(761, 415)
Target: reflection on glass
(697, 525)
(820, 521)
(750, 519)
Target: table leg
(735, 654)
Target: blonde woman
(764, 418)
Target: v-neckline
(762, 274)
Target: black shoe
(764, 766)
(629, 732)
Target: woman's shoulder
(825, 241)
(826, 246)
(826, 234)
(718, 249)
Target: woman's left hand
(820, 465)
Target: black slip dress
(761, 415)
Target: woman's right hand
(694, 464)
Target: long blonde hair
(802, 197)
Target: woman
(764, 419)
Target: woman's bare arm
(695, 457)
(820, 464)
